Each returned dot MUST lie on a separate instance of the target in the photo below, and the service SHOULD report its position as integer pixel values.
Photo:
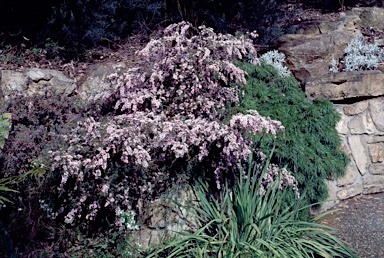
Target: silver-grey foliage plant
(360, 55)
(276, 59)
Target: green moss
(311, 145)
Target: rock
(146, 237)
(345, 146)
(376, 152)
(373, 184)
(162, 217)
(311, 55)
(12, 82)
(344, 85)
(35, 81)
(349, 191)
(356, 108)
(370, 17)
(341, 126)
(95, 77)
(376, 108)
(375, 139)
(361, 124)
(350, 176)
(359, 153)
(376, 169)
(310, 52)
(331, 201)
(44, 79)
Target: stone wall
(308, 54)
(362, 132)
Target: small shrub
(360, 55)
(276, 59)
(333, 66)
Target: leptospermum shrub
(160, 121)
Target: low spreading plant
(359, 55)
(246, 223)
(310, 146)
(277, 60)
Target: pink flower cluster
(167, 109)
(274, 173)
(187, 72)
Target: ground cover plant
(359, 55)
(247, 222)
(310, 147)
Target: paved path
(360, 222)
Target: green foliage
(5, 124)
(4, 127)
(246, 224)
(311, 145)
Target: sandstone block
(97, 75)
(376, 152)
(374, 139)
(359, 153)
(42, 80)
(350, 176)
(362, 124)
(310, 55)
(376, 108)
(373, 184)
(345, 85)
(341, 126)
(345, 146)
(370, 17)
(12, 81)
(356, 108)
(376, 169)
(35, 81)
(331, 201)
(349, 191)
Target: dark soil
(360, 222)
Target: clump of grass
(243, 223)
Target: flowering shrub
(160, 119)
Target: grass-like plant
(4, 132)
(246, 224)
